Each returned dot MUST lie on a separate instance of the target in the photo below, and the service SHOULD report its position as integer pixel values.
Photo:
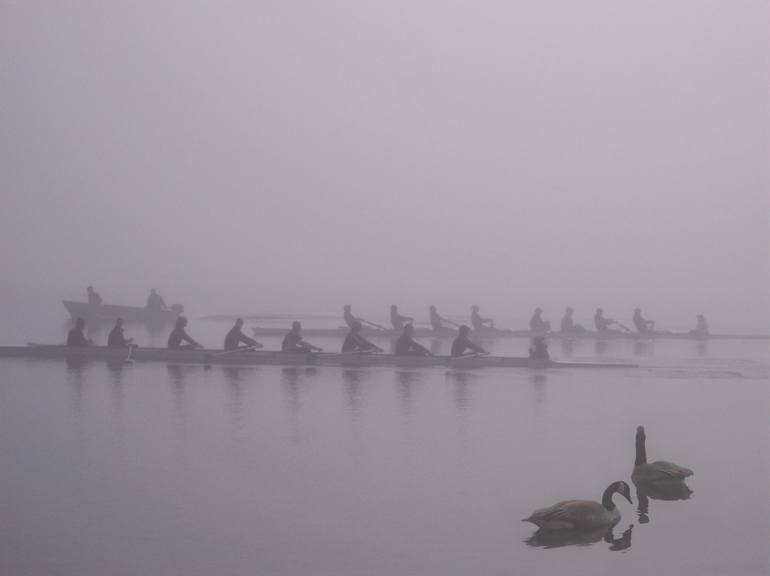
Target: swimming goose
(581, 514)
(653, 472)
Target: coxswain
(116, 339)
(293, 341)
(235, 336)
(354, 342)
(77, 337)
(396, 319)
(537, 324)
(702, 328)
(601, 323)
(642, 326)
(179, 335)
(538, 350)
(93, 298)
(463, 343)
(478, 322)
(155, 301)
(406, 346)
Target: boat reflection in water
(661, 491)
(559, 538)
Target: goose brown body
(659, 471)
(581, 514)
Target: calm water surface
(156, 469)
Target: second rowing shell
(260, 358)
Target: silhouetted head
(432, 308)
(80, 323)
(464, 330)
(119, 322)
(296, 326)
(181, 322)
(393, 307)
(356, 326)
(408, 329)
(152, 291)
(637, 311)
(599, 311)
(239, 323)
(475, 308)
(570, 310)
(90, 288)
(347, 308)
(700, 317)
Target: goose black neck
(641, 450)
(607, 497)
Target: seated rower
(93, 298)
(539, 349)
(702, 328)
(116, 339)
(478, 322)
(396, 319)
(179, 335)
(602, 324)
(643, 326)
(436, 320)
(235, 336)
(77, 337)
(406, 346)
(293, 341)
(155, 301)
(537, 324)
(568, 325)
(463, 343)
(348, 316)
(354, 342)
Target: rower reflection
(549, 539)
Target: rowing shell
(259, 358)
(492, 333)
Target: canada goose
(653, 472)
(581, 514)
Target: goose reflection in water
(650, 491)
(557, 539)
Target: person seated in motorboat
(568, 325)
(93, 297)
(293, 341)
(179, 335)
(76, 336)
(478, 322)
(702, 328)
(236, 336)
(643, 326)
(463, 343)
(116, 339)
(354, 342)
(155, 301)
(406, 346)
(601, 323)
(537, 324)
(539, 349)
(396, 319)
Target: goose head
(618, 487)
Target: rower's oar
(378, 326)
(244, 349)
(455, 324)
(627, 329)
(471, 355)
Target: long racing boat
(258, 358)
(492, 333)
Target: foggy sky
(255, 156)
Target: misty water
(161, 469)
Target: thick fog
(297, 156)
